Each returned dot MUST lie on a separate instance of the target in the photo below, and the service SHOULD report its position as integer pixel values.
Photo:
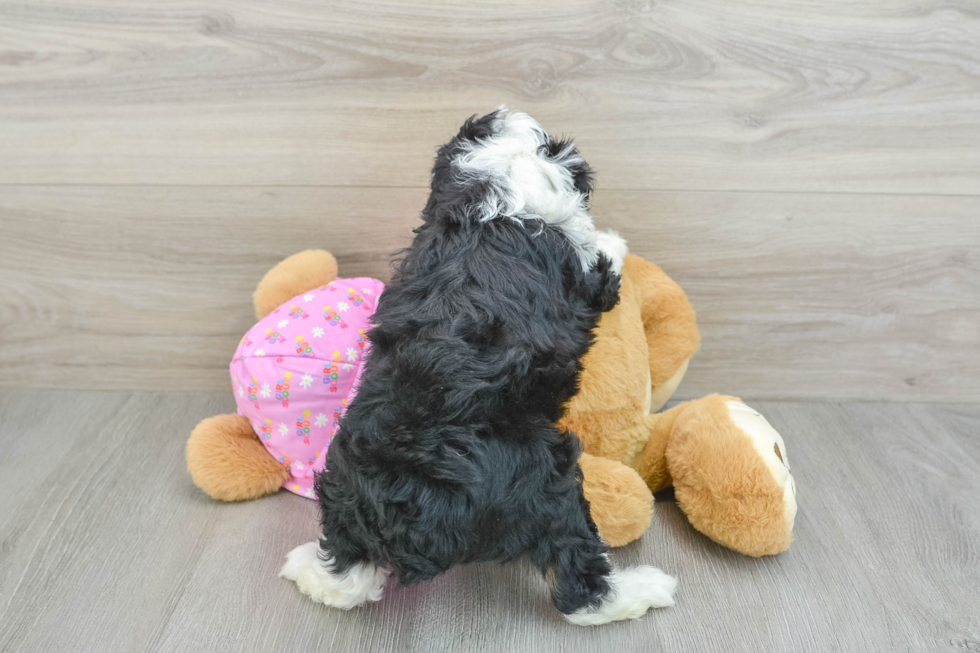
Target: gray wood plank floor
(105, 545)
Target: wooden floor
(108, 546)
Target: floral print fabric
(295, 372)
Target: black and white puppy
(449, 454)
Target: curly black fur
(449, 453)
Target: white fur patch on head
(634, 591)
(527, 184)
(360, 584)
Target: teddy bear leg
(227, 460)
(651, 462)
(620, 503)
(669, 323)
(731, 475)
(293, 276)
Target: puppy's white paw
(635, 590)
(362, 583)
(613, 246)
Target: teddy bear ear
(293, 276)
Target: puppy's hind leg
(632, 592)
(317, 575)
(585, 586)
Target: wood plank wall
(809, 172)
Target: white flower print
(260, 352)
(317, 332)
(283, 323)
(241, 391)
(265, 391)
(307, 298)
(321, 421)
(351, 354)
(367, 291)
(347, 367)
(342, 306)
(283, 429)
(298, 466)
(309, 493)
(306, 381)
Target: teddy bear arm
(291, 277)
(619, 501)
(669, 323)
(227, 460)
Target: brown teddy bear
(727, 465)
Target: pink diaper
(296, 371)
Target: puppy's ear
(477, 129)
(474, 130)
(449, 198)
(564, 152)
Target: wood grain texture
(107, 546)
(145, 287)
(798, 295)
(674, 94)
(819, 295)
